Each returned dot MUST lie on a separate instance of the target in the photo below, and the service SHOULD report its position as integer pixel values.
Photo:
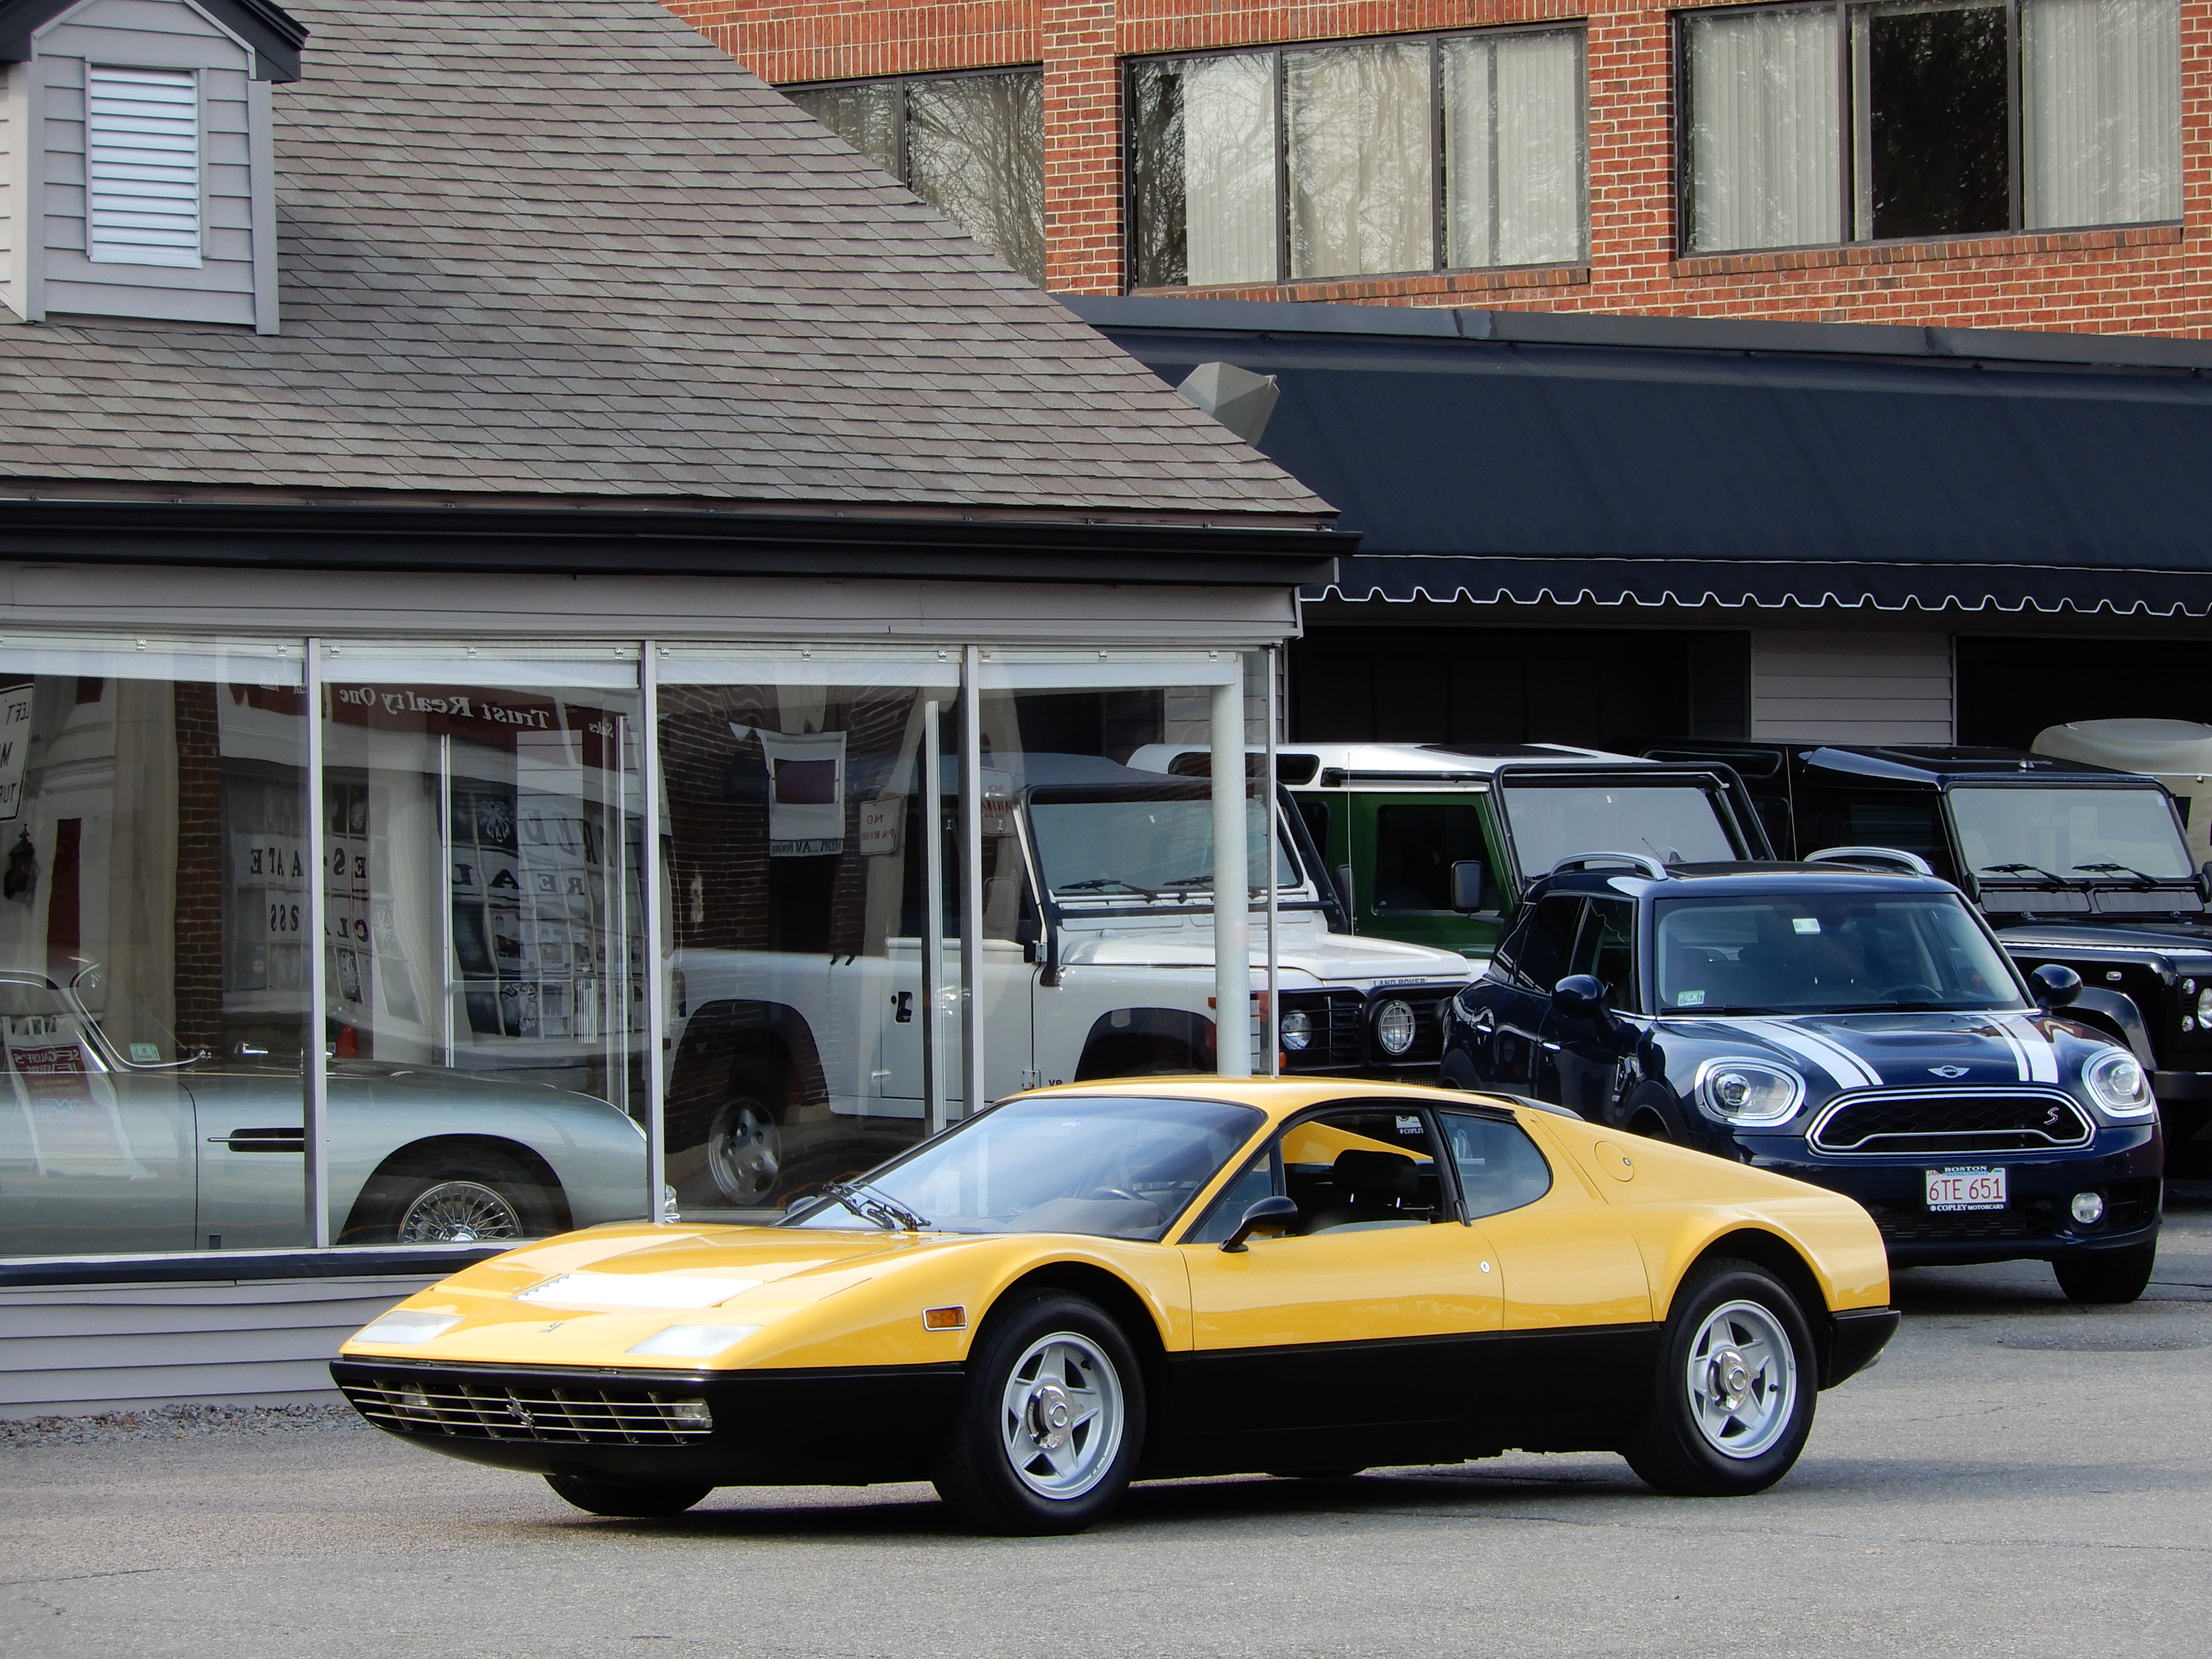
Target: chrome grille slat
(492, 1411)
(1951, 1122)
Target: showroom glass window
(154, 983)
(1841, 123)
(972, 146)
(1308, 162)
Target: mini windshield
(1675, 824)
(1827, 953)
(1116, 1167)
(2077, 835)
(1124, 845)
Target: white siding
(150, 34)
(1820, 687)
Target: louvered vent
(143, 174)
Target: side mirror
(2055, 985)
(1467, 885)
(1277, 1208)
(1579, 996)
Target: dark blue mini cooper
(1854, 1028)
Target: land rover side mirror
(2204, 881)
(2055, 985)
(1579, 996)
(1275, 1209)
(1467, 885)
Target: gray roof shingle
(569, 247)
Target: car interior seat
(1372, 1189)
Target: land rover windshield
(2079, 834)
(1675, 822)
(1146, 842)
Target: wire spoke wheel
(1062, 1415)
(459, 1213)
(1743, 1379)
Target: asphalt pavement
(2017, 1476)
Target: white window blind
(2101, 133)
(141, 165)
(1765, 102)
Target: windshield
(1116, 1167)
(1828, 952)
(34, 1010)
(1675, 823)
(1148, 848)
(2079, 835)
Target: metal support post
(1232, 888)
(971, 884)
(932, 916)
(656, 953)
(314, 1066)
(1272, 1032)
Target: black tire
(977, 1475)
(2113, 1276)
(1673, 1449)
(460, 1196)
(1458, 1072)
(625, 1503)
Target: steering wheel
(1113, 1192)
(1911, 994)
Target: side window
(1906, 822)
(1499, 1167)
(1607, 948)
(1357, 1169)
(1415, 847)
(1546, 942)
(1262, 1178)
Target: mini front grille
(1899, 1225)
(496, 1411)
(1946, 1122)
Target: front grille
(1946, 1122)
(567, 1414)
(2131, 1204)
(1339, 1030)
(1901, 1223)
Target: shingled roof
(568, 248)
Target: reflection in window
(1368, 185)
(972, 146)
(1499, 1167)
(1908, 111)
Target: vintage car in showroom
(1089, 1284)
(1850, 1022)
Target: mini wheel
(2108, 1277)
(625, 1503)
(1732, 1404)
(1053, 1421)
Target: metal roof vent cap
(1238, 399)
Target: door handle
(903, 1001)
(262, 1140)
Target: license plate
(1975, 1188)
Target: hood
(1836, 1052)
(2164, 938)
(1324, 957)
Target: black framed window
(1303, 163)
(1839, 122)
(971, 145)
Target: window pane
(2101, 133)
(1415, 847)
(1764, 96)
(863, 116)
(1933, 100)
(1203, 154)
(976, 152)
(1360, 160)
(1499, 1167)
(1513, 149)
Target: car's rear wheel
(1053, 1421)
(744, 1151)
(1732, 1404)
(457, 1199)
(2112, 1276)
(627, 1503)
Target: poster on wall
(15, 702)
(805, 793)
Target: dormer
(140, 159)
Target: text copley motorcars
(1089, 1284)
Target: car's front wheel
(625, 1502)
(473, 1198)
(1052, 1420)
(2111, 1276)
(1732, 1404)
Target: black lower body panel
(1857, 1338)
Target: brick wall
(2143, 280)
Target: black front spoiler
(1858, 1336)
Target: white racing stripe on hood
(2041, 1058)
(1846, 1068)
(2018, 1053)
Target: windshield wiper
(1189, 881)
(2024, 869)
(1105, 884)
(871, 1205)
(2148, 881)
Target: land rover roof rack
(1894, 855)
(1641, 861)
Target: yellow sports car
(1087, 1286)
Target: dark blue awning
(1642, 462)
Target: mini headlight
(1749, 1090)
(1296, 1030)
(403, 1325)
(1393, 1026)
(692, 1341)
(2116, 1083)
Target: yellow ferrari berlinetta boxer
(1157, 1276)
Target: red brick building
(2026, 164)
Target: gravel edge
(180, 1422)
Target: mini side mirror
(1467, 885)
(1277, 1208)
(1579, 996)
(2055, 985)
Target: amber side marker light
(944, 1319)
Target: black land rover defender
(2071, 864)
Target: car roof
(1751, 879)
(1278, 1097)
